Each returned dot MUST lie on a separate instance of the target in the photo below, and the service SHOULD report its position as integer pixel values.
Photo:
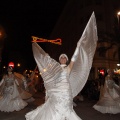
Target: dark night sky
(23, 18)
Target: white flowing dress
(63, 84)
(110, 99)
(10, 98)
(59, 102)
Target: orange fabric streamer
(56, 41)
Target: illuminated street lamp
(118, 13)
(118, 16)
(18, 64)
(118, 64)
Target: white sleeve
(1, 82)
(16, 82)
(75, 55)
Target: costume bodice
(61, 81)
(65, 73)
(9, 81)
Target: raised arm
(75, 55)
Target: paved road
(84, 110)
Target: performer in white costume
(10, 99)
(31, 83)
(109, 101)
(63, 83)
(25, 95)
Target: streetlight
(118, 16)
(118, 64)
(18, 64)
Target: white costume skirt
(57, 107)
(106, 105)
(10, 104)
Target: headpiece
(63, 55)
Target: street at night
(66, 48)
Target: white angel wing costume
(48, 67)
(51, 69)
(83, 63)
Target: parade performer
(10, 99)
(109, 101)
(31, 83)
(62, 82)
(24, 93)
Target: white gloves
(75, 55)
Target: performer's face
(63, 60)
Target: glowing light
(44, 70)
(18, 64)
(4, 67)
(37, 76)
(11, 64)
(56, 41)
(118, 64)
(117, 71)
(118, 13)
(102, 72)
(118, 16)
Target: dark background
(23, 18)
